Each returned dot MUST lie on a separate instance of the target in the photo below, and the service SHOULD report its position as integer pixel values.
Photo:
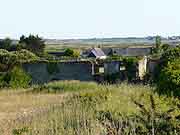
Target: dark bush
(169, 78)
(131, 67)
(167, 75)
(33, 43)
(16, 78)
(19, 78)
(25, 55)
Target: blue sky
(89, 18)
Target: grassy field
(86, 108)
(18, 106)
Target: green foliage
(116, 57)
(109, 110)
(7, 60)
(76, 53)
(7, 57)
(165, 47)
(158, 42)
(169, 78)
(151, 120)
(52, 67)
(131, 67)
(20, 131)
(3, 82)
(157, 49)
(130, 64)
(171, 54)
(68, 52)
(72, 53)
(25, 55)
(34, 44)
(167, 75)
(6, 44)
(17, 78)
(63, 86)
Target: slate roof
(107, 51)
(132, 51)
(138, 51)
(97, 52)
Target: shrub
(171, 54)
(25, 55)
(17, 78)
(131, 67)
(3, 83)
(7, 59)
(169, 78)
(76, 53)
(167, 75)
(72, 53)
(68, 52)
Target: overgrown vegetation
(168, 72)
(107, 110)
(15, 78)
(72, 53)
(130, 64)
(33, 43)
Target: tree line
(32, 43)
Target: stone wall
(152, 65)
(45, 72)
(66, 71)
(142, 68)
(112, 67)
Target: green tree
(171, 54)
(156, 50)
(6, 44)
(169, 78)
(163, 48)
(33, 43)
(17, 78)
(158, 42)
(7, 59)
(69, 52)
(76, 53)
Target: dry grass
(76, 108)
(17, 105)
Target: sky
(89, 18)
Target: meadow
(88, 108)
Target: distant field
(61, 47)
(57, 45)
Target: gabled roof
(97, 52)
(107, 51)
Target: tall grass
(106, 110)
